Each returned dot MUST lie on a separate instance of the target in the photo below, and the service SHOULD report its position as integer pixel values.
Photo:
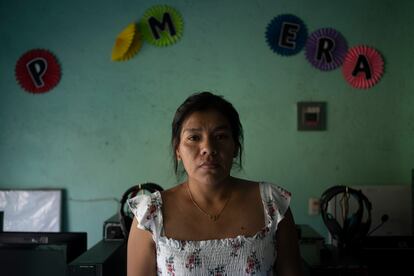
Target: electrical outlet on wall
(314, 206)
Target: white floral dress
(253, 255)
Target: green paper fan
(162, 25)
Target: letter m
(157, 26)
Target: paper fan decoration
(363, 67)
(37, 71)
(127, 43)
(326, 49)
(286, 34)
(162, 25)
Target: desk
(327, 261)
(322, 260)
(377, 256)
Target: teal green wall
(106, 126)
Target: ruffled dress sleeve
(276, 200)
(147, 211)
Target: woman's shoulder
(142, 202)
(173, 199)
(171, 194)
(274, 189)
(245, 184)
(276, 200)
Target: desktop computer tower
(106, 258)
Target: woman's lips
(209, 165)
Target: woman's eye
(193, 138)
(221, 136)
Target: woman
(212, 223)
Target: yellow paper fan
(127, 43)
(134, 48)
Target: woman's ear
(177, 154)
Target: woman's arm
(288, 260)
(141, 259)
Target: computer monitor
(46, 254)
(31, 210)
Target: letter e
(288, 35)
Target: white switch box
(314, 206)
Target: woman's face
(206, 147)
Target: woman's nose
(208, 148)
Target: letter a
(362, 65)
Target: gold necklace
(210, 216)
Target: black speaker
(39, 253)
(126, 217)
(106, 258)
(354, 228)
(112, 230)
(412, 201)
(1, 220)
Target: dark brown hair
(201, 102)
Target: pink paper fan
(363, 67)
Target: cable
(94, 199)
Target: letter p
(37, 68)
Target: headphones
(354, 229)
(125, 218)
